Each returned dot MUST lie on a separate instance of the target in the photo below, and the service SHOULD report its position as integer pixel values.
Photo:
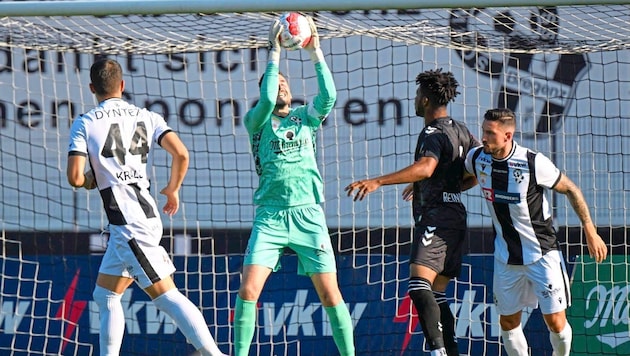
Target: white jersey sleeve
(78, 138)
(547, 174)
(471, 156)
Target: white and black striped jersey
(514, 188)
(437, 200)
(116, 137)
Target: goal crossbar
(153, 7)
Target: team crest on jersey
(482, 175)
(518, 175)
(541, 86)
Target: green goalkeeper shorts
(303, 229)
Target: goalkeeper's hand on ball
(314, 42)
(312, 47)
(274, 41)
(89, 182)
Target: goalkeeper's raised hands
(312, 47)
(314, 43)
(274, 41)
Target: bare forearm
(406, 175)
(576, 198)
(178, 171)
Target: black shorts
(439, 249)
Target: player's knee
(248, 293)
(509, 322)
(420, 293)
(330, 298)
(556, 324)
(103, 296)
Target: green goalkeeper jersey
(284, 148)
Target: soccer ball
(296, 31)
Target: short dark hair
(503, 115)
(263, 75)
(438, 87)
(106, 75)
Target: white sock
(561, 341)
(189, 320)
(514, 342)
(439, 352)
(112, 319)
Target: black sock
(448, 324)
(428, 311)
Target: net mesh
(527, 30)
(563, 70)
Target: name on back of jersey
(118, 112)
(127, 175)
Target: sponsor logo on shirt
(295, 119)
(281, 146)
(517, 164)
(498, 196)
(451, 197)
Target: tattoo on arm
(576, 198)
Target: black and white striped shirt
(514, 188)
(116, 138)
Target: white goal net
(563, 69)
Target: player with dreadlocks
(437, 177)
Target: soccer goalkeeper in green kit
(288, 197)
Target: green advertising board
(599, 314)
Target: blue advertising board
(49, 303)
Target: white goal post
(561, 65)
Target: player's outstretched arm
(596, 246)
(419, 170)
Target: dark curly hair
(439, 87)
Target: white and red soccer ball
(296, 31)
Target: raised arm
(326, 96)
(259, 114)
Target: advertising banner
(48, 302)
(601, 305)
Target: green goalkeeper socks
(244, 326)
(341, 324)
